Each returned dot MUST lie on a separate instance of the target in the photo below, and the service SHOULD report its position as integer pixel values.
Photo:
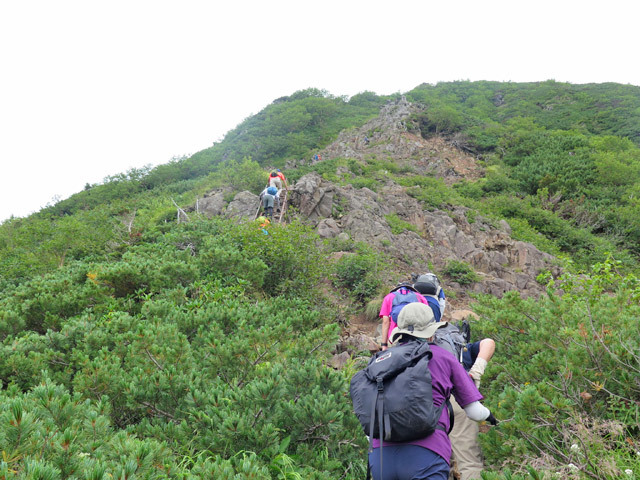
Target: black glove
(491, 419)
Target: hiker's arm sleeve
(476, 411)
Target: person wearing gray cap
(428, 457)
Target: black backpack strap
(380, 417)
(452, 418)
(449, 408)
(372, 424)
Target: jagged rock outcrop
(313, 200)
(504, 264)
(243, 205)
(392, 136)
(211, 205)
(328, 228)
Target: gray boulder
(244, 205)
(328, 228)
(211, 205)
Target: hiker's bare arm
(385, 331)
(487, 348)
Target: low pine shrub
(460, 272)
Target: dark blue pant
(470, 355)
(408, 462)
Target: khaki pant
(464, 442)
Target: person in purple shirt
(428, 457)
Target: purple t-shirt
(387, 305)
(447, 377)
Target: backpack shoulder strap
(452, 418)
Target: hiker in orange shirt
(282, 177)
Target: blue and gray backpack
(404, 295)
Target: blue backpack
(435, 306)
(403, 296)
(272, 190)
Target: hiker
(269, 197)
(264, 222)
(464, 436)
(474, 357)
(271, 190)
(429, 286)
(428, 457)
(282, 177)
(366, 140)
(275, 180)
(391, 301)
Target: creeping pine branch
(256, 417)
(153, 360)
(344, 475)
(601, 387)
(607, 349)
(257, 360)
(317, 347)
(261, 356)
(133, 216)
(159, 412)
(309, 434)
(632, 353)
(507, 327)
(548, 447)
(226, 380)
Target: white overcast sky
(94, 88)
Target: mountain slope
(134, 344)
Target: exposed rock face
(392, 137)
(357, 343)
(328, 228)
(212, 205)
(313, 200)
(244, 205)
(504, 264)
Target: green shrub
(359, 273)
(398, 225)
(372, 309)
(564, 377)
(460, 272)
(432, 191)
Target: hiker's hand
(384, 347)
(492, 420)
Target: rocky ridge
(393, 135)
(504, 264)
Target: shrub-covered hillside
(199, 353)
(136, 346)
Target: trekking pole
(283, 207)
